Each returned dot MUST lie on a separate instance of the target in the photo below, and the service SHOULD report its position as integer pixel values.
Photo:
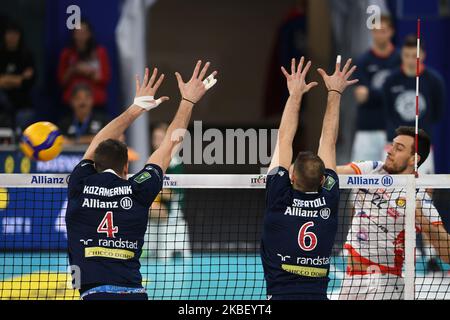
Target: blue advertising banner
(15, 162)
(32, 218)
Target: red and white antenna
(417, 99)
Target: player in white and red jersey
(375, 243)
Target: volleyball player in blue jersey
(107, 214)
(301, 219)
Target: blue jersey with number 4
(106, 221)
(298, 235)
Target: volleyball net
(204, 231)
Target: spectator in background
(399, 93)
(85, 61)
(291, 41)
(374, 67)
(17, 75)
(167, 234)
(81, 126)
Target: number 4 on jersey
(107, 225)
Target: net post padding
(410, 239)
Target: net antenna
(416, 173)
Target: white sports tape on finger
(209, 82)
(338, 59)
(147, 102)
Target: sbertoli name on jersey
(107, 192)
(298, 208)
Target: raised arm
(336, 84)
(297, 86)
(436, 233)
(143, 102)
(191, 93)
(345, 169)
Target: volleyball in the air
(41, 141)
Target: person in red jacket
(84, 61)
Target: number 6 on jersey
(303, 234)
(107, 225)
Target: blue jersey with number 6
(106, 221)
(298, 235)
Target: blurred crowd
(386, 93)
(83, 75)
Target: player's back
(298, 236)
(106, 221)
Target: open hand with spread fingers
(338, 81)
(145, 91)
(193, 90)
(296, 80)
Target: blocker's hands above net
(145, 92)
(196, 87)
(296, 81)
(338, 81)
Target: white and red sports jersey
(376, 236)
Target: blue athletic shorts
(108, 292)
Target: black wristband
(332, 90)
(189, 101)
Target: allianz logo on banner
(43, 179)
(61, 164)
(386, 181)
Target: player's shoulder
(368, 167)
(84, 164)
(331, 173)
(278, 184)
(79, 175)
(148, 172)
(278, 173)
(331, 181)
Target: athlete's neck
(303, 189)
(383, 49)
